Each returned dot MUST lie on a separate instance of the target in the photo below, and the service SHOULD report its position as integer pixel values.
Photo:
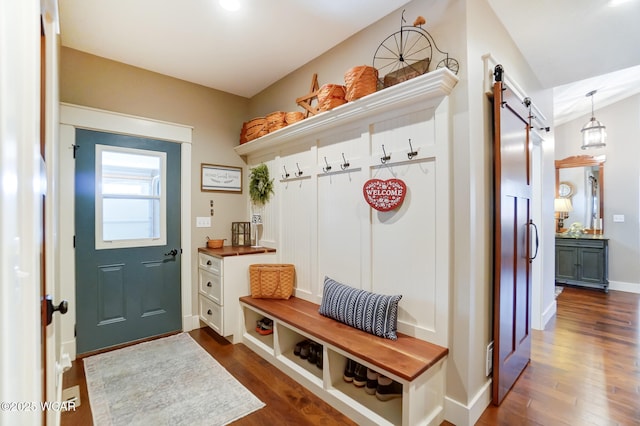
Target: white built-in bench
(417, 364)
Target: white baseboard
(462, 415)
(622, 286)
(190, 322)
(549, 313)
(69, 347)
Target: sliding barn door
(513, 227)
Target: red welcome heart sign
(384, 195)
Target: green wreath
(260, 186)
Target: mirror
(580, 179)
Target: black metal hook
(411, 152)
(386, 157)
(285, 175)
(344, 165)
(327, 168)
(299, 172)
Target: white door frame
(72, 116)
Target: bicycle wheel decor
(408, 53)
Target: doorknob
(173, 253)
(63, 307)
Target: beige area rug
(169, 381)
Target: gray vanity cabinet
(582, 262)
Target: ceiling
(238, 52)
(564, 41)
(576, 46)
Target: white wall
(621, 184)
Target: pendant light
(593, 133)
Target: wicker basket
(293, 117)
(243, 133)
(331, 96)
(275, 121)
(271, 281)
(254, 129)
(360, 81)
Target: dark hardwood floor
(585, 370)
(287, 402)
(585, 366)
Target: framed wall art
(216, 178)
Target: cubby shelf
(328, 383)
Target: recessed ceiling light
(614, 3)
(231, 5)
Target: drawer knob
(209, 284)
(208, 262)
(209, 312)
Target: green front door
(127, 227)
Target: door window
(130, 197)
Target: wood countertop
(235, 250)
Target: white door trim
(72, 116)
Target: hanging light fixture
(593, 133)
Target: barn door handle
(537, 241)
(173, 253)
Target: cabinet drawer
(210, 263)
(211, 314)
(210, 285)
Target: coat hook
(328, 167)
(386, 157)
(299, 172)
(344, 165)
(411, 152)
(285, 175)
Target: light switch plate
(203, 222)
(618, 218)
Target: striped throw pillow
(374, 313)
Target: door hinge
(74, 241)
(75, 148)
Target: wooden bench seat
(407, 357)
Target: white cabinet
(223, 277)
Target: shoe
(267, 323)
(388, 389)
(313, 353)
(298, 348)
(372, 381)
(319, 357)
(264, 326)
(304, 350)
(349, 370)
(360, 375)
